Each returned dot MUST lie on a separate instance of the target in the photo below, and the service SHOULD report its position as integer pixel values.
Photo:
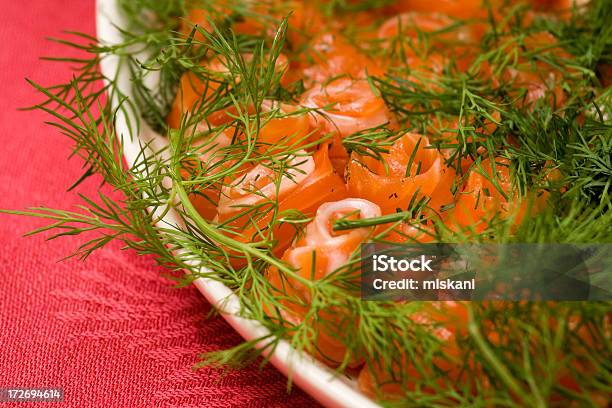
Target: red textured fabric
(110, 331)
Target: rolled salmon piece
(319, 253)
(345, 106)
(249, 201)
(411, 169)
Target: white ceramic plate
(316, 379)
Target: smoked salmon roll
(248, 202)
(329, 56)
(344, 106)
(488, 194)
(536, 86)
(319, 253)
(215, 78)
(347, 106)
(411, 167)
(485, 195)
(287, 130)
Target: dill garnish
(515, 353)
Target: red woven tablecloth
(110, 331)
